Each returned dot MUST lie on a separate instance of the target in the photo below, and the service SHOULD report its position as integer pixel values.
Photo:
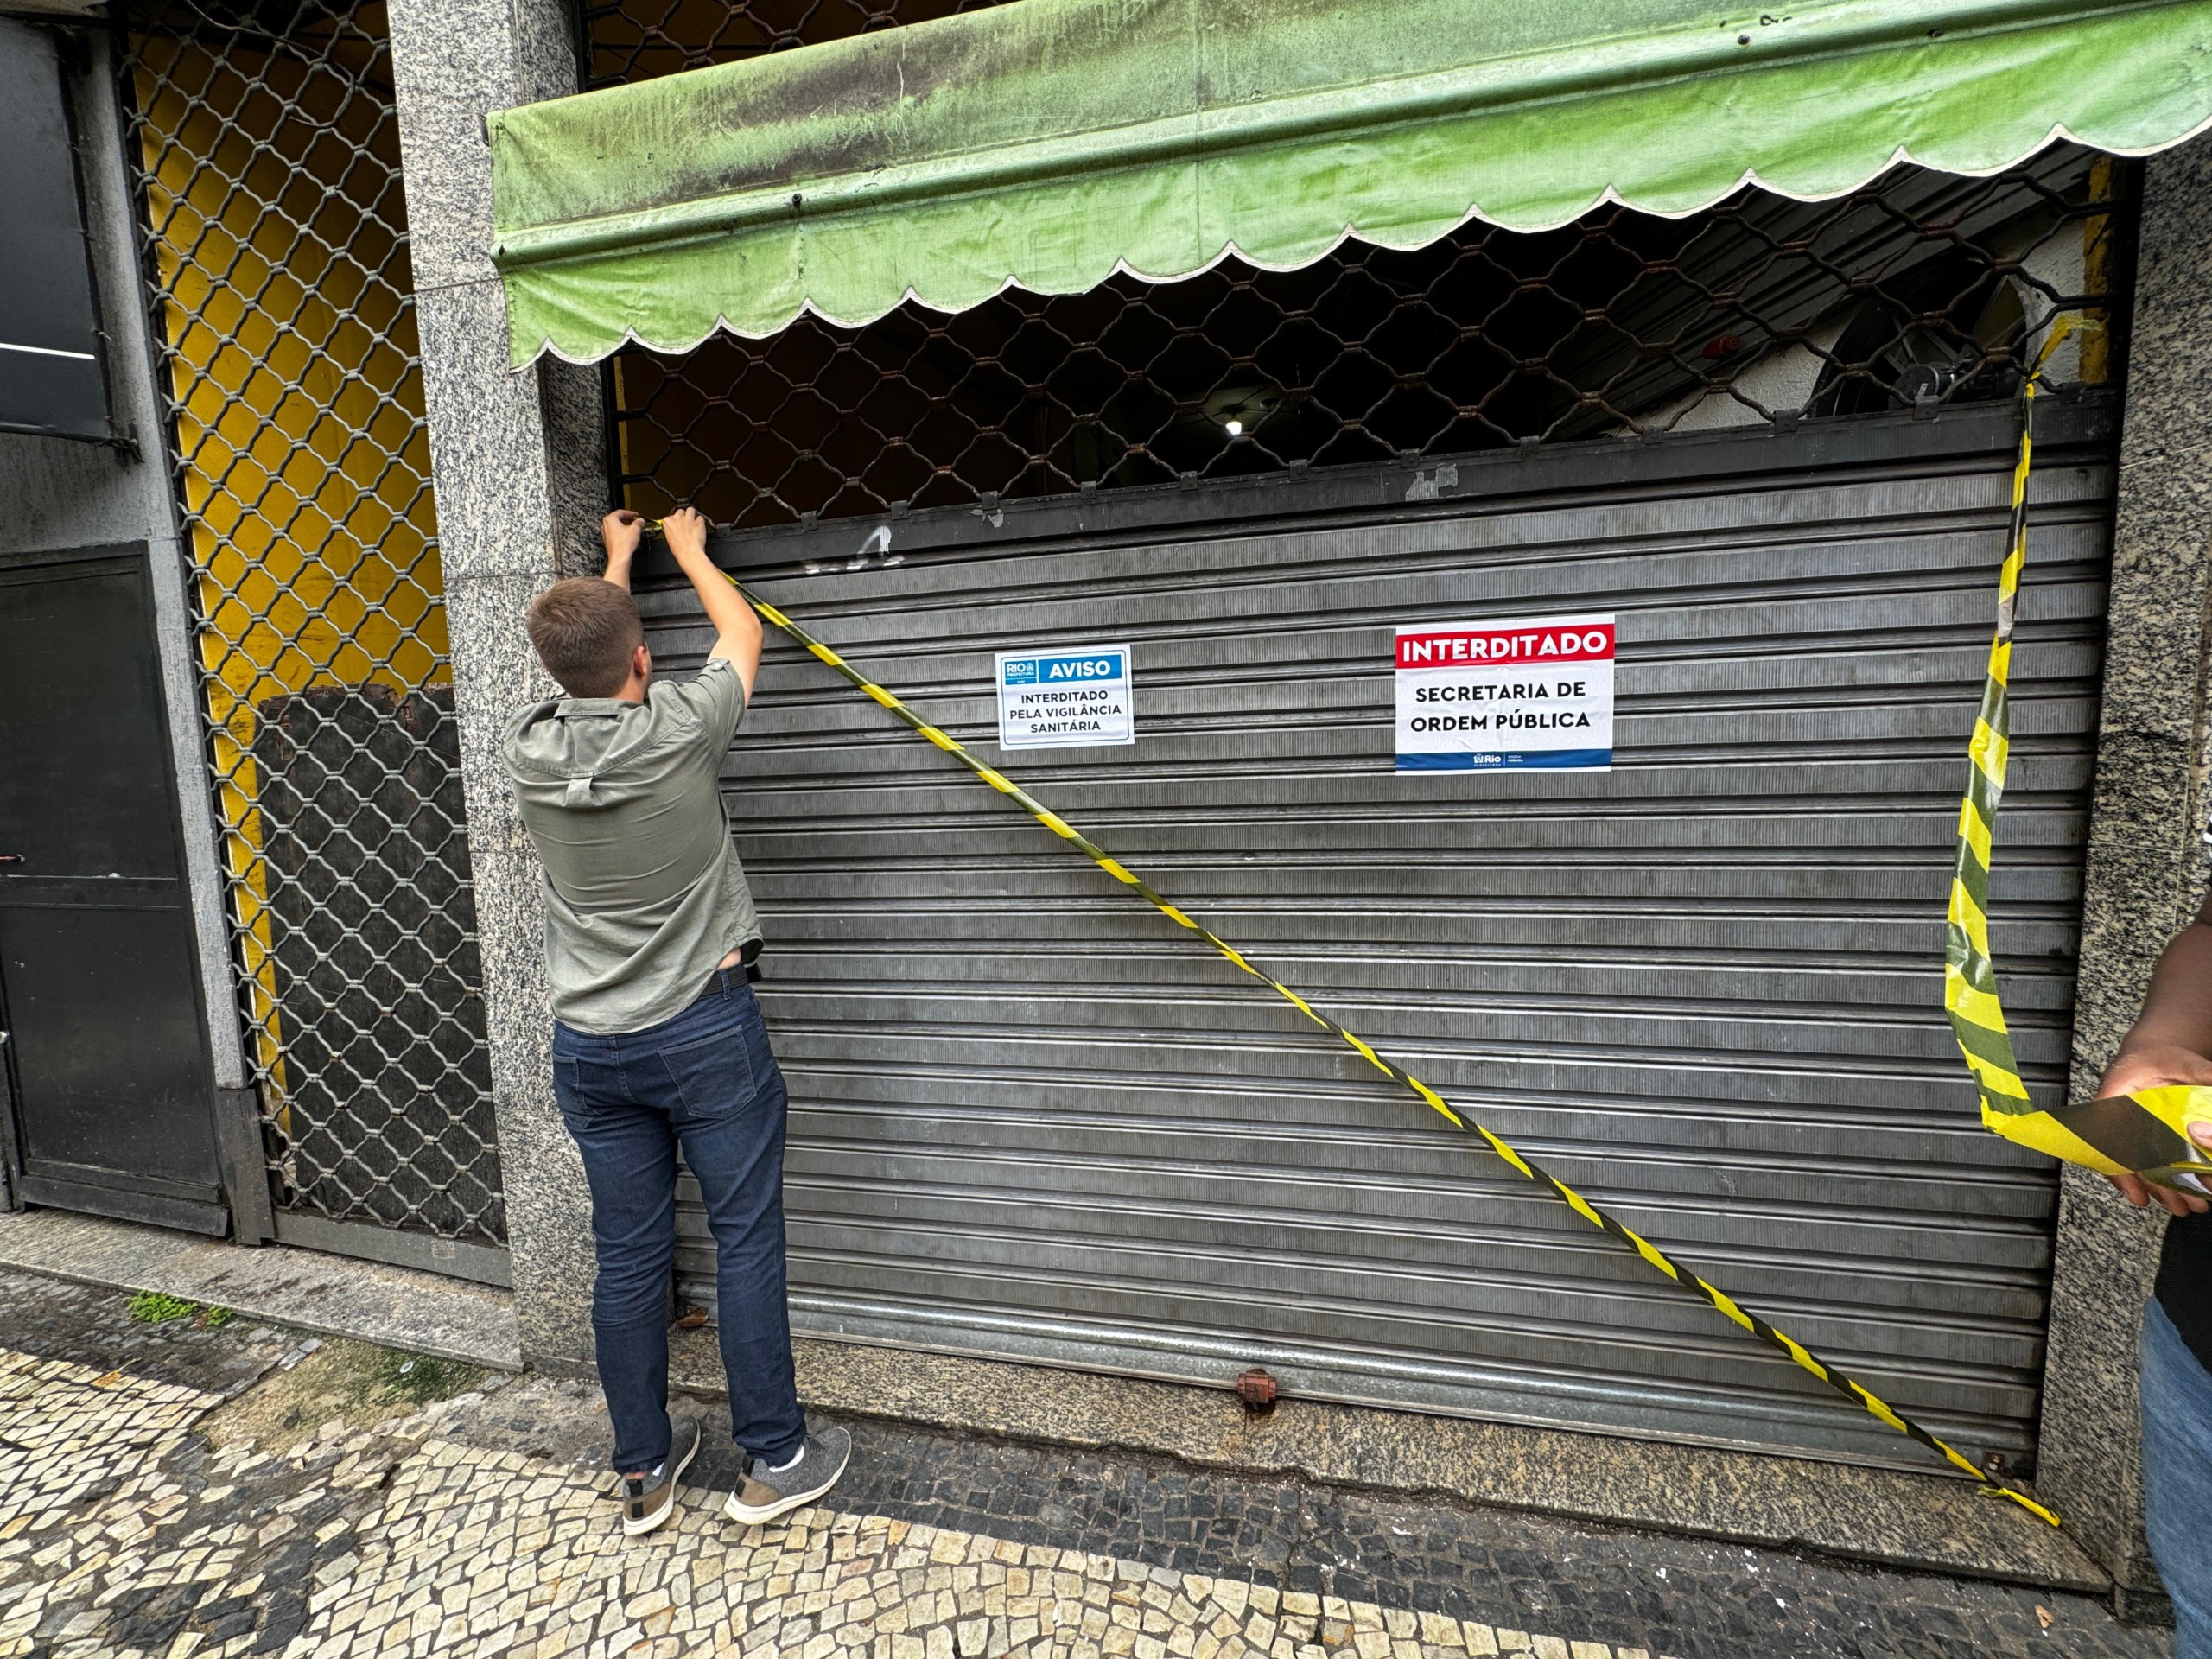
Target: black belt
(748, 963)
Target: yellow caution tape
(1850, 1390)
(2145, 1132)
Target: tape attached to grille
(1851, 1389)
(2145, 1132)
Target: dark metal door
(49, 320)
(107, 1055)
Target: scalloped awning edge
(1053, 144)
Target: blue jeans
(2177, 1478)
(704, 1080)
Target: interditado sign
(1479, 696)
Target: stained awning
(1050, 143)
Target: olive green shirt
(644, 895)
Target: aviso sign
(1065, 699)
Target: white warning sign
(1065, 699)
(1480, 696)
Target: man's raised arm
(737, 631)
(619, 532)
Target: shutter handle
(11, 858)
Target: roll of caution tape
(1857, 1392)
(2145, 1132)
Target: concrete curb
(332, 1294)
(1918, 1522)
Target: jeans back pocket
(712, 1076)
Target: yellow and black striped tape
(2145, 1132)
(1852, 1390)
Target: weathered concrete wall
(518, 477)
(2145, 871)
(57, 494)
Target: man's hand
(737, 631)
(2151, 1066)
(685, 531)
(621, 532)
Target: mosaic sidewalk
(396, 1542)
(180, 1492)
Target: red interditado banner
(1535, 644)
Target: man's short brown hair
(585, 631)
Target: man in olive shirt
(2170, 1043)
(657, 1039)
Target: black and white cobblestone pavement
(479, 1527)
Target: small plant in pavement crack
(158, 1307)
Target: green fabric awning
(1050, 143)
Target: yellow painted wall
(273, 191)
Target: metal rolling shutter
(1030, 1120)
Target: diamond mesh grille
(276, 251)
(1920, 291)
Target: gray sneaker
(763, 1497)
(649, 1499)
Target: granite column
(518, 475)
(2145, 870)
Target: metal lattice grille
(276, 245)
(1921, 290)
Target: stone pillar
(519, 480)
(2145, 871)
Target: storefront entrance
(1032, 1119)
